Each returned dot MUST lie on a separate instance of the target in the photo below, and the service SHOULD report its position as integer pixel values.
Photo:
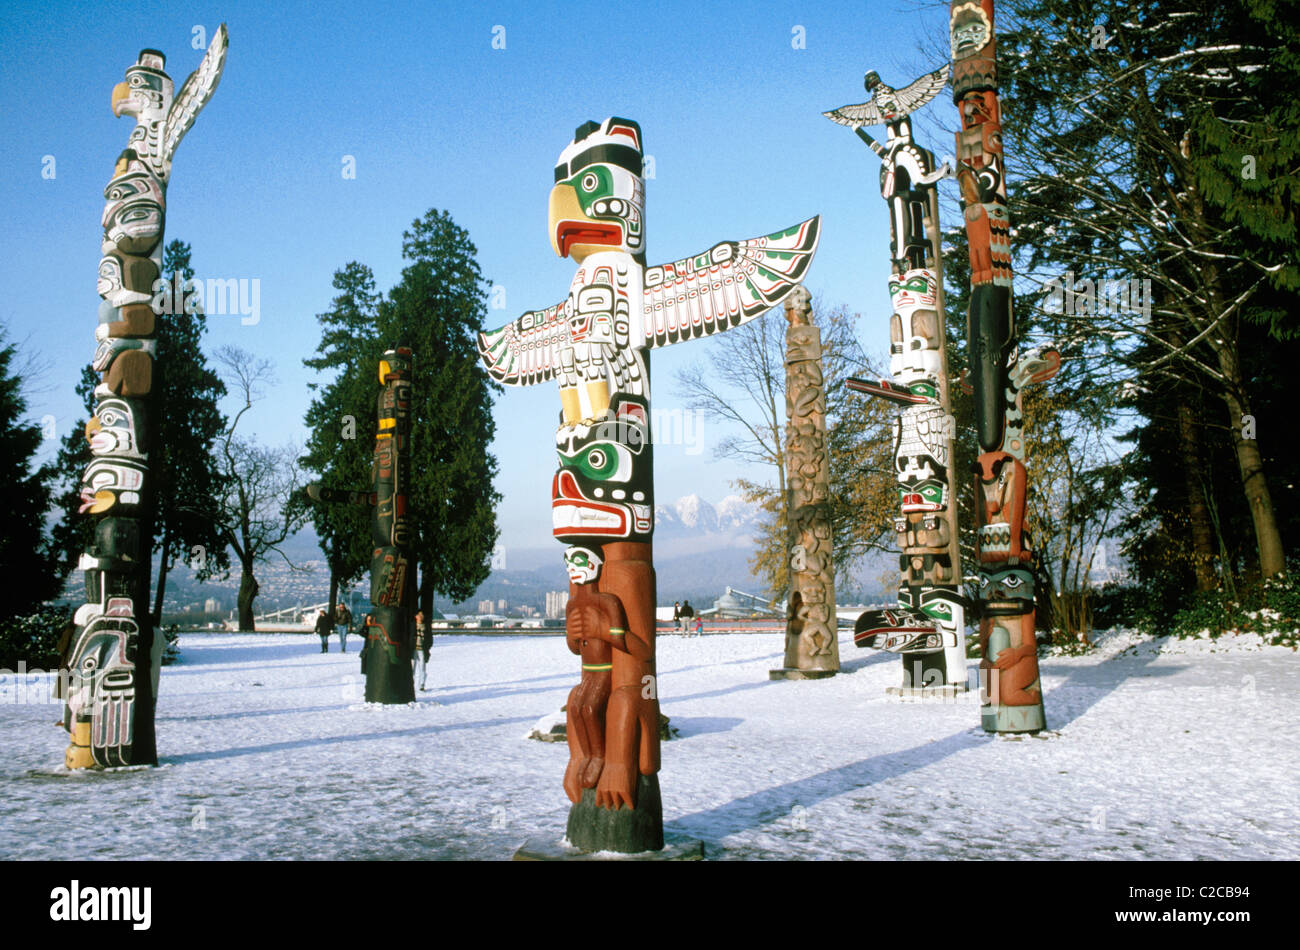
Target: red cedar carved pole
(595, 345)
(1009, 664)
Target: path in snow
(1166, 749)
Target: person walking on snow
(423, 643)
(343, 617)
(323, 630)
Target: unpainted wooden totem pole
(812, 648)
(390, 634)
(928, 626)
(595, 345)
(1008, 647)
(115, 655)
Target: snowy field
(1161, 749)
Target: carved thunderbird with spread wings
(731, 283)
(888, 104)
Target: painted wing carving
(908, 99)
(526, 350)
(729, 284)
(194, 94)
(856, 116)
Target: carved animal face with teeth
(604, 488)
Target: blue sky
(435, 117)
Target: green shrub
(1270, 609)
(33, 638)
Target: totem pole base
(1013, 718)
(626, 830)
(791, 673)
(547, 849)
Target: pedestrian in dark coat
(687, 613)
(343, 617)
(323, 630)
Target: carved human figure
(592, 621)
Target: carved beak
(121, 93)
(572, 232)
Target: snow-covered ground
(1161, 749)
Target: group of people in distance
(684, 613)
(343, 623)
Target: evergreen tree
(341, 422)
(71, 534)
(187, 423)
(26, 562)
(437, 309)
(1127, 126)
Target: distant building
(485, 606)
(210, 606)
(501, 605)
(555, 603)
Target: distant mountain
(694, 517)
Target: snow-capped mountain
(694, 517)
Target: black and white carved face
(116, 429)
(103, 671)
(134, 206)
(914, 328)
(119, 273)
(109, 482)
(146, 90)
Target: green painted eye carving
(591, 183)
(925, 389)
(601, 462)
(597, 463)
(939, 610)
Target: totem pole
(389, 634)
(595, 346)
(812, 648)
(1008, 648)
(928, 627)
(115, 657)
